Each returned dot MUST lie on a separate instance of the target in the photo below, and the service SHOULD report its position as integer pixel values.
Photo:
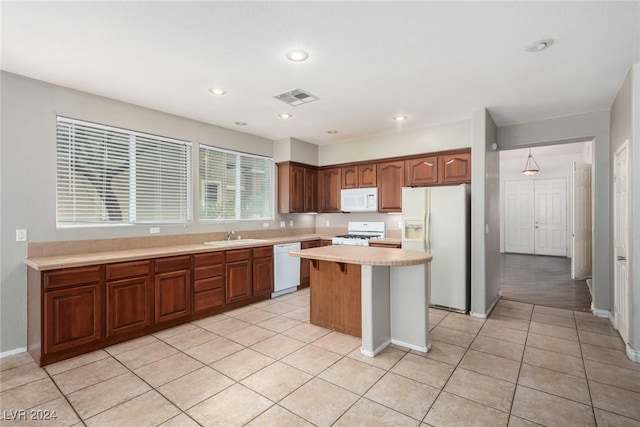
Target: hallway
(542, 280)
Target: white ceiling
(433, 61)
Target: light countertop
(93, 258)
(365, 255)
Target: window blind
(107, 175)
(234, 186)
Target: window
(234, 186)
(107, 175)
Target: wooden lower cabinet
(305, 263)
(208, 281)
(336, 296)
(237, 273)
(172, 295)
(262, 270)
(73, 317)
(129, 305)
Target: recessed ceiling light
(332, 132)
(297, 55)
(539, 45)
(218, 91)
(285, 115)
(400, 118)
(240, 123)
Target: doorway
(536, 263)
(536, 217)
(621, 242)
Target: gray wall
(623, 113)
(402, 143)
(485, 218)
(296, 150)
(28, 177)
(588, 126)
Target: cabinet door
(73, 317)
(455, 168)
(330, 190)
(305, 263)
(310, 190)
(262, 276)
(129, 305)
(172, 295)
(367, 175)
(296, 195)
(350, 177)
(422, 171)
(390, 186)
(238, 280)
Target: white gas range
(360, 233)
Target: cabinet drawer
(203, 260)
(208, 284)
(208, 299)
(72, 277)
(175, 263)
(210, 271)
(128, 269)
(238, 255)
(310, 244)
(263, 252)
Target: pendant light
(531, 167)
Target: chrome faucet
(230, 233)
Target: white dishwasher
(286, 269)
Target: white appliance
(359, 200)
(360, 233)
(438, 220)
(286, 269)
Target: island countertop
(365, 255)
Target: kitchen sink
(235, 242)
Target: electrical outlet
(154, 230)
(21, 235)
(400, 224)
(265, 225)
(283, 224)
(326, 223)
(290, 223)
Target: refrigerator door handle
(427, 234)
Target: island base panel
(376, 319)
(409, 307)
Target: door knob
(622, 258)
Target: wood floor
(542, 280)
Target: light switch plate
(290, 223)
(154, 230)
(265, 225)
(326, 223)
(21, 235)
(283, 224)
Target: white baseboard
(633, 355)
(485, 315)
(412, 346)
(601, 313)
(375, 350)
(12, 352)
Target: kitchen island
(379, 294)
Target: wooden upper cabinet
(454, 168)
(368, 175)
(310, 190)
(350, 177)
(390, 185)
(421, 171)
(330, 186)
(297, 188)
(359, 176)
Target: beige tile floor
(266, 365)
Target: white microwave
(359, 200)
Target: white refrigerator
(438, 220)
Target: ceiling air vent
(296, 97)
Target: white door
(581, 232)
(620, 244)
(518, 218)
(550, 199)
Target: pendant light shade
(531, 167)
